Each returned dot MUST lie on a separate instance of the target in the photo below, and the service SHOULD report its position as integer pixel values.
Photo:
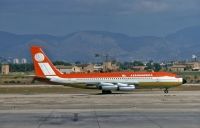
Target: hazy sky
(132, 17)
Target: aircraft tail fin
(42, 64)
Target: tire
(106, 91)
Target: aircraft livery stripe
(118, 74)
(46, 69)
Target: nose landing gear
(166, 90)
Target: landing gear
(166, 90)
(106, 91)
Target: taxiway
(147, 109)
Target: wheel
(106, 91)
(166, 91)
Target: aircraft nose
(184, 81)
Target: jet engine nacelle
(113, 87)
(127, 88)
(107, 86)
(122, 85)
(118, 86)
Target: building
(194, 66)
(88, 68)
(5, 69)
(77, 68)
(23, 61)
(93, 68)
(16, 61)
(98, 68)
(178, 68)
(138, 68)
(64, 69)
(71, 69)
(110, 66)
(189, 66)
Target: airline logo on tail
(43, 66)
(39, 57)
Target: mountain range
(83, 45)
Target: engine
(127, 88)
(118, 86)
(122, 85)
(113, 87)
(107, 86)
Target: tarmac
(145, 109)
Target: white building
(16, 61)
(23, 61)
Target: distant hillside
(83, 45)
(186, 41)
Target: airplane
(108, 81)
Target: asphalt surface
(151, 109)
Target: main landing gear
(166, 90)
(106, 91)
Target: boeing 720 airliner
(107, 82)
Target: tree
(77, 62)
(156, 67)
(149, 65)
(21, 67)
(137, 63)
(153, 66)
(61, 63)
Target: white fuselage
(128, 80)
